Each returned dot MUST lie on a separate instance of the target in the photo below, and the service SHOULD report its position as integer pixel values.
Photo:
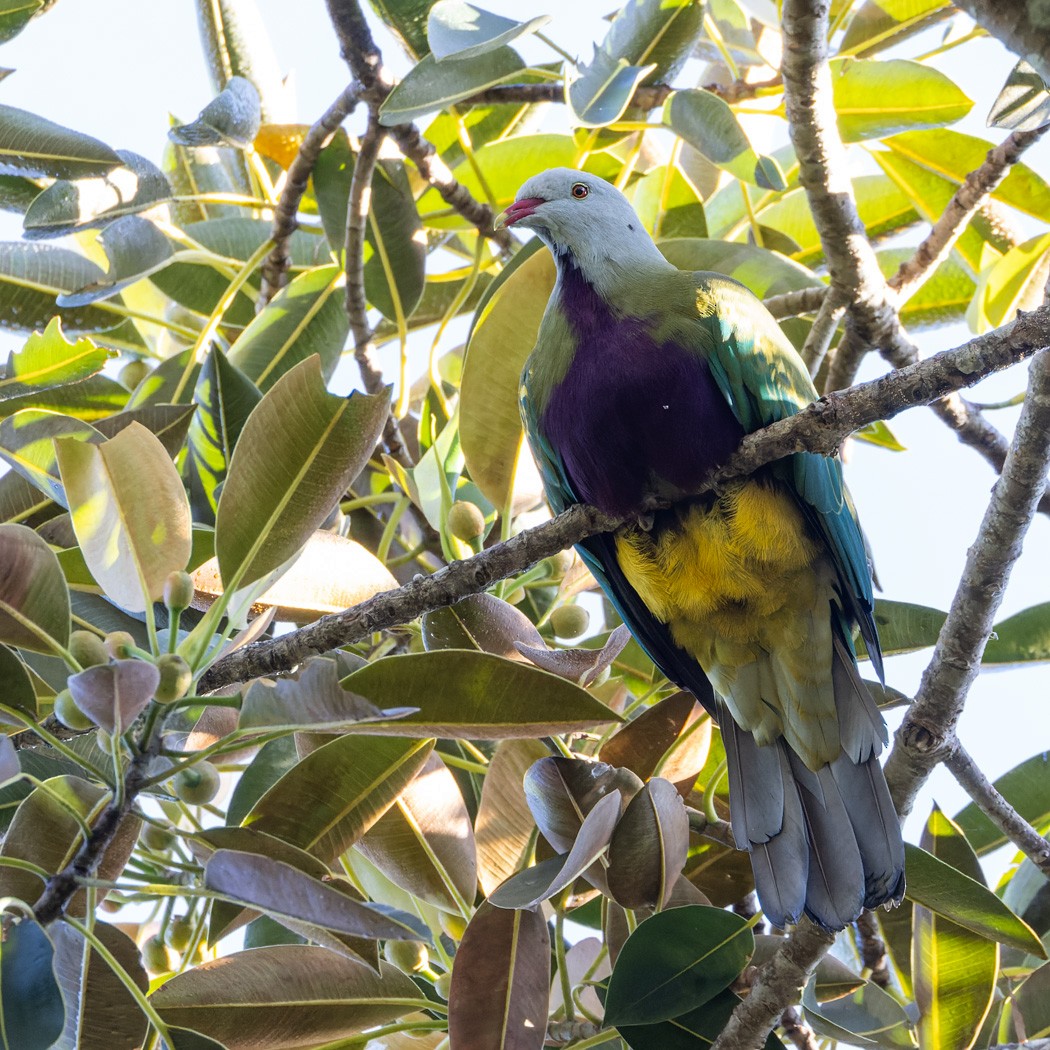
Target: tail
(825, 843)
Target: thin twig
(791, 304)
(998, 810)
(965, 203)
(821, 428)
(286, 214)
(927, 734)
(873, 949)
(820, 335)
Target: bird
(643, 378)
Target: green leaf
(284, 995)
(49, 359)
(407, 20)
(501, 981)
(225, 398)
(710, 126)
(1027, 788)
(1024, 102)
(171, 382)
(904, 628)
(31, 1008)
(15, 16)
(669, 204)
(67, 205)
(27, 444)
(32, 145)
(1020, 639)
(33, 275)
(1013, 282)
(129, 512)
(1031, 1005)
(34, 600)
(867, 1017)
(456, 29)
(270, 763)
(502, 338)
(603, 90)
(954, 970)
(336, 793)
(305, 317)
(432, 85)
(676, 961)
(942, 299)
(874, 99)
(15, 685)
(283, 481)
(879, 435)
(693, 1030)
(231, 119)
(955, 896)
(879, 24)
(463, 694)
(766, 273)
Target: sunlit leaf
(49, 359)
(32, 145)
(480, 621)
(867, 1017)
(456, 29)
(1013, 282)
(27, 444)
(1024, 102)
(878, 24)
(230, 119)
(1026, 787)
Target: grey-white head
(583, 218)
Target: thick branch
(285, 215)
(998, 810)
(778, 983)
(820, 428)
(927, 735)
(965, 203)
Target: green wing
(764, 380)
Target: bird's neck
(611, 270)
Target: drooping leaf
(949, 893)
(1013, 282)
(68, 205)
(283, 996)
(432, 85)
(129, 512)
(501, 980)
(326, 802)
(32, 1014)
(34, 599)
(473, 695)
(582, 665)
(35, 146)
(910, 95)
(113, 695)
(456, 29)
(284, 480)
(49, 359)
(954, 970)
(231, 119)
(305, 317)
(676, 961)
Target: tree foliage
(209, 844)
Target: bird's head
(581, 216)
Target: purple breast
(633, 415)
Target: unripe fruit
(453, 925)
(157, 839)
(179, 934)
(175, 678)
(132, 374)
(443, 984)
(178, 591)
(570, 621)
(119, 644)
(69, 714)
(466, 522)
(87, 648)
(157, 957)
(198, 784)
(561, 563)
(410, 956)
(517, 595)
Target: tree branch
(998, 810)
(965, 203)
(286, 214)
(801, 1035)
(791, 304)
(873, 949)
(1022, 27)
(927, 734)
(778, 983)
(820, 428)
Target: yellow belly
(744, 587)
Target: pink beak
(517, 211)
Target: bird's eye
(579, 190)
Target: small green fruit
(175, 678)
(410, 956)
(570, 621)
(87, 648)
(516, 596)
(443, 984)
(69, 714)
(466, 522)
(157, 957)
(119, 645)
(179, 934)
(132, 374)
(178, 591)
(561, 563)
(198, 784)
(160, 840)
(453, 926)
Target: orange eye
(579, 190)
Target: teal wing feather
(764, 380)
